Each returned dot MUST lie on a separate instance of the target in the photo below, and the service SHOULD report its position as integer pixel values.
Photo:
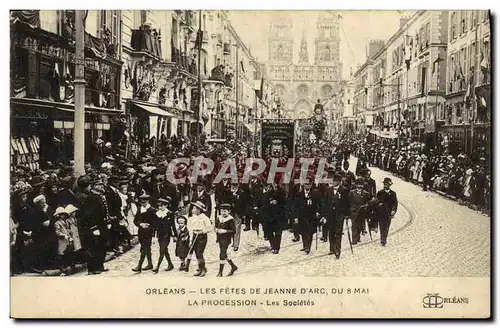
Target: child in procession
(225, 228)
(182, 246)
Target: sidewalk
(81, 267)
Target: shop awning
(153, 110)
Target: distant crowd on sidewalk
(464, 178)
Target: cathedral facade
(300, 82)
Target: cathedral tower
(281, 40)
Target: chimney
(403, 20)
(374, 47)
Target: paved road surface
(430, 236)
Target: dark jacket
(94, 216)
(307, 208)
(335, 207)
(387, 203)
(165, 227)
(148, 217)
(358, 201)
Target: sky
(357, 28)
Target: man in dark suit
(358, 201)
(273, 217)
(349, 176)
(95, 227)
(334, 210)
(307, 214)
(387, 207)
(371, 188)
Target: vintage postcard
(250, 164)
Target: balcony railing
(146, 40)
(227, 48)
(183, 61)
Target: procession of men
(123, 200)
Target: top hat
(359, 181)
(200, 205)
(37, 181)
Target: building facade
(42, 52)
(300, 85)
(404, 82)
(141, 72)
(468, 73)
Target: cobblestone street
(430, 236)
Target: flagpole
(198, 112)
(474, 82)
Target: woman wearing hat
(200, 225)
(165, 229)
(225, 228)
(145, 220)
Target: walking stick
(369, 229)
(317, 232)
(192, 245)
(349, 234)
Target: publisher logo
(435, 301)
(432, 301)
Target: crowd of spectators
(459, 176)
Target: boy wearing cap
(145, 220)
(225, 227)
(165, 229)
(182, 246)
(387, 205)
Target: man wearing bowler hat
(387, 207)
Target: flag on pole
(199, 39)
(436, 62)
(261, 93)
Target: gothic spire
(303, 55)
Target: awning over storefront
(153, 110)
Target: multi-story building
(300, 85)
(468, 54)
(160, 72)
(42, 83)
(363, 78)
(347, 119)
(407, 83)
(141, 73)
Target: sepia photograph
(250, 164)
